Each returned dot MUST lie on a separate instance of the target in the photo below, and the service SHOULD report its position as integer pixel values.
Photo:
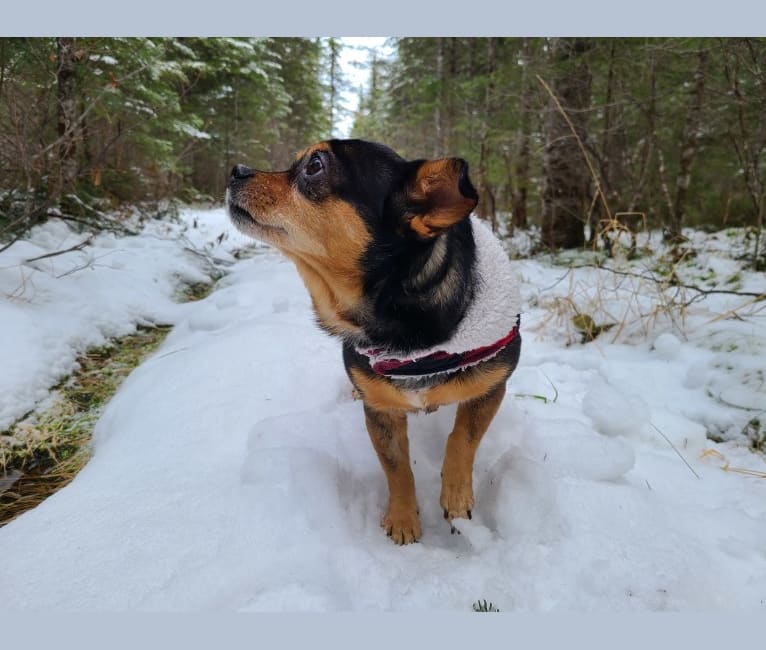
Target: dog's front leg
(472, 421)
(388, 432)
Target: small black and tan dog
(419, 293)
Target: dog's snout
(240, 172)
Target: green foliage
(431, 99)
(160, 117)
(755, 432)
(483, 606)
(588, 328)
(155, 117)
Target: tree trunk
(519, 193)
(566, 180)
(2, 65)
(612, 163)
(647, 150)
(748, 138)
(486, 207)
(652, 117)
(68, 128)
(439, 149)
(689, 147)
(333, 89)
(614, 144)
(448, 108)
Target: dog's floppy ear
(439, 195)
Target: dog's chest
(419, 400)
(386, 394)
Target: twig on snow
(76, 247)
(673, 447)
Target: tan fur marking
(388, 433)
(327, 254)
(329, 302)
(325, 241)
(472, 421)
(461, 390)
(382, 394)
(422, 227)
(319, 146)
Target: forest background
(575, 136)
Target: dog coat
(490, 323)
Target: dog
(420, 293)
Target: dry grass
(631, 302)
(726, 466)
(44, 450)
(625, 303)
(623, 306)
(47, 448)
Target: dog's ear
(439, 195)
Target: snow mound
(667, 346)
(613, 412)
(519, 497)
(571, 450)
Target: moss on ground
(43, 451)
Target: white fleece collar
(490, 318)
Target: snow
(612, 412)
(193, 131)
(103, 58)
(667, 346)
(53, 309)
(232, 470)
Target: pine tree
(566, 174)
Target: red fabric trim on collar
(441, 362)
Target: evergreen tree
(565, 185)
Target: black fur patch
(376, 180)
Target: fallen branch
(12, 242)
(660, 281)
(673, 447)
(76, 247)
(726, 467)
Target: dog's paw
(402, 525)
(456, 499)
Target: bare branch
(661, 281)
(77, 247)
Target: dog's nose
(241, 171)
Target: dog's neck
(416, 293)
(487, 323)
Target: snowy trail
(53, 309)
(232, 471)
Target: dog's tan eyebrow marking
(319, 146)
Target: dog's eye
(314, 166)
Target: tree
(565, 187)
(94, 122)
(370, 120)
(335, 84)
(745, 72)
(689, 146)
(69, 131)
(307, 120)
(486, 206)
(520, 169)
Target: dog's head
(339, 200)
